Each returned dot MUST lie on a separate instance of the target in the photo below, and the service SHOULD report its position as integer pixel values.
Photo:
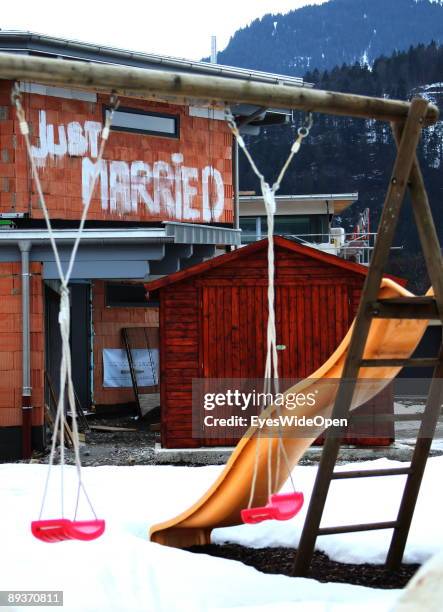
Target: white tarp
(116, 371)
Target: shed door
(231, 335)
(233, 340)
(311, 320)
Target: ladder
(406, 174)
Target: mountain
(334, 33)
(346, 155)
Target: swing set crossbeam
(213, 90)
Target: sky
(166, 27)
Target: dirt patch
(281, 561)
(112, 447)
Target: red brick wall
(107, 324)
(11, 344)
(202, 143)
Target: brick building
(166, 198)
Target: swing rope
(64, 312)
(271, 364)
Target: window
(126, 295)
(141, 122)
(248, 225)
(313, 228)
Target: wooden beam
(145, 83)
(343, 400)
(418, 464)
(420, 307)
(427, 231)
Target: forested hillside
(345, 155)
(330, 34)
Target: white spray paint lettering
(131, 187)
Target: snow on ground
(357, 500)
(122, 571)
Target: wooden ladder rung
(422, 307)
(361, 527)
(369, 473)
(417, 362)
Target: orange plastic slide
(220, 506)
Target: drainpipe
(236, 185)
(25, 248)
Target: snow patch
(122, 570)
(364, 60)
(357, 501)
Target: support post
(343, 401)
(418, 465)
(427, 232)
(434, 262)
(25, 248)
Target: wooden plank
(251, 333)
(235, 338)
(316, 328)
(111, 428)
(307, 297)
(301, 334)
(421, 307)
(332, 316)
(205, 330)
(260, 316)
(163, 369)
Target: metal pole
(25, 248)
(152, 84)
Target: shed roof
(254, 247)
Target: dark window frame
(137, 111)
(111, 303)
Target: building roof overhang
(171, 232)
(16, 41)
(119, 253)
(325, 203)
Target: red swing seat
(87, 530)
(57, 530)
(286, 505)
(281, 507)
(51, 530)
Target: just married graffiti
(164, 188)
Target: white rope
(64, 313)
(271, 364)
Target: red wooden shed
(213, 323)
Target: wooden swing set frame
(407, 120)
